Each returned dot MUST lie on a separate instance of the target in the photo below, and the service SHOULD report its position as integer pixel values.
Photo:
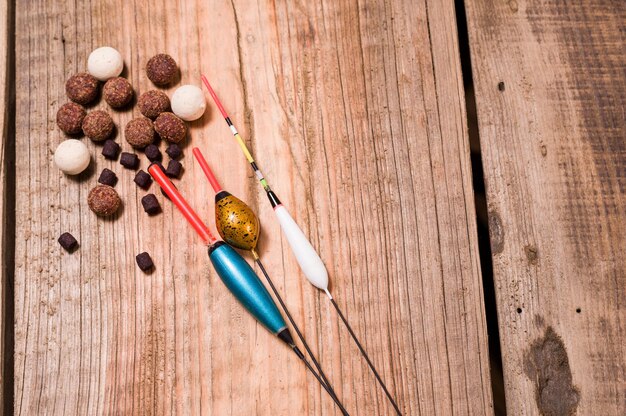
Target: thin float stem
(317, 376)
(330, 389)
(367, 358)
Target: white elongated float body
(308, 259)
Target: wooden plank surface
(7, 192)
(550, 78)
(355, 112)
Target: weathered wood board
(7, 192)
(550, 78)
(355, 112)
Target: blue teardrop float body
(243, 282)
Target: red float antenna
(207, 170)
(182, 205)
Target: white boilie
(72, 157)
(104, 63)
(188, 102)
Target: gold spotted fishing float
(239, 226)
(309, 260)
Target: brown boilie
(162, 69)
(152, 103)
(117, 92)
(98, 125)
(82, 88)
(70, 118)
(170, 127)
(103, 200)
(139, 132)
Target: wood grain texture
(355, 112)
(7, 192)
(550, 78)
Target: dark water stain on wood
(532, 254)
(496, 233)
(588, 39)
(547, 365)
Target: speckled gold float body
(236, 222)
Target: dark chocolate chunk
(144, 261)
(68, 242)
(174, 169)
(150, 204)
(173, 150)
(143, 179)
(107, 177)
(153, 153)
(110, 150)
(160, 165)
(129, 160)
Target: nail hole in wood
(500, 86)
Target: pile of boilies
(161, 118)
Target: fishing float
(307, 257)
(238, 276)
(239, 226)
